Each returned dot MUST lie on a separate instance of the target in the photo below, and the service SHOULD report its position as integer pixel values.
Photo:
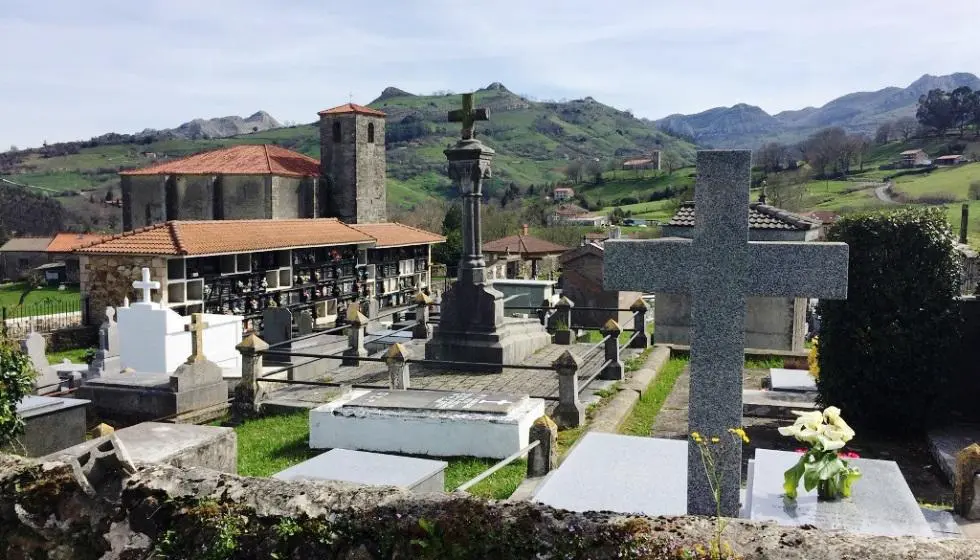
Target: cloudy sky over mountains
(73, 70)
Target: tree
(594, 169)
(936, 111)
(450, 252)
(16, 382)
(110, 194)
(886, 351)
(827, 151)
(669, 162)
(884, 133)
(771, 157)
(906, 127)
(574, 171)
(13, 148)
(961, 105)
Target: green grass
(770, 362)
(10, 295)
(953, 181)
(640, 420)
(76, 355)
(270, 444)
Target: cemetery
(378, 428)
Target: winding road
(882, 194)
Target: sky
(72, 70)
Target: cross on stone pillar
(196, 328)
(719, 268)
(146, 285)
(468, 116)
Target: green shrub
(886, 351)
(16, 382)
(975, 190)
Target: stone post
(639, 308)
(563, 318)
(964, 221)
(249, 392)
(569, 413)
(544, 458)
(422, 329)
(357, 325)
(966, 483)
(396, 357)
(614, 369)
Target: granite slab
(881, 501)
(623, 474)
(792, 380)
(50, 424)
(776, 404)
(492, 403)
(376, 469)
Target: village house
(652, 162)
(562, 193)
(49, 257)
(914, 158)
(526, 256)
(240, 229)
(952, 159)
(581, 280)
(565, 212)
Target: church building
(239, 229)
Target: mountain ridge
(745, 125)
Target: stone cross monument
(196, 328)
(147, 286)
(719, 267)
(471, 321)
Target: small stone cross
(196, 328)
(719, 268)
(146, 285)
(468, 116)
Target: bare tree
(884, 133)
(594, 169)
(574, 171)
(771, 157)
(669, 162)
(906, 127)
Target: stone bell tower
(352, 165)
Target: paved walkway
(536, 383)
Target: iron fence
(41, 316)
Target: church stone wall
(353, 169)
(144, 200)
(246, 197)
(293, 197)
(191, 197)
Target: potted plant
(822, 465)
(562, 333)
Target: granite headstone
(106, 361)
(277, 325)
(719, 268)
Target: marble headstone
(881, 501)
(304, 323)
(720, 268)
(47, 380)
(793, 380)
(277, 325)
(106, 360)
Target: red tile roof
(248, 159)
(398, 235)
(523, 244)
(212, 237)
(352, 108)
(67, 242)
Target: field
(10, 295)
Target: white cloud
(77, 69)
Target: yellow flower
(740, 432)
(714, 439)
(695, 435)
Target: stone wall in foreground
(196, 513)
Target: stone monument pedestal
(50, 424)
(511, 343)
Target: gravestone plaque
(792, 380)
(47, 380)
(304, 323)
(376, 469)
(720, 268)
(623, 474)
(277, 325)
(492, 403)
(881, 501)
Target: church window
(336, 132)
(370, 133)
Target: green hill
(534, 142)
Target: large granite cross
(719, 268)
(468, 116)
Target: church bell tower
(352, 165)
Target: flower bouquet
(823, 465)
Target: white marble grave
(155, 339)
(430, 423)
(623, 474)
(793, 380)
(375, 469)
(881, 502)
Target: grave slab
(50, 424)
(431, 423)
(792, 380)
(881, 501)
(180, 445)
(776, 404)
(623, 474)
(375, 469)
(132, 397)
